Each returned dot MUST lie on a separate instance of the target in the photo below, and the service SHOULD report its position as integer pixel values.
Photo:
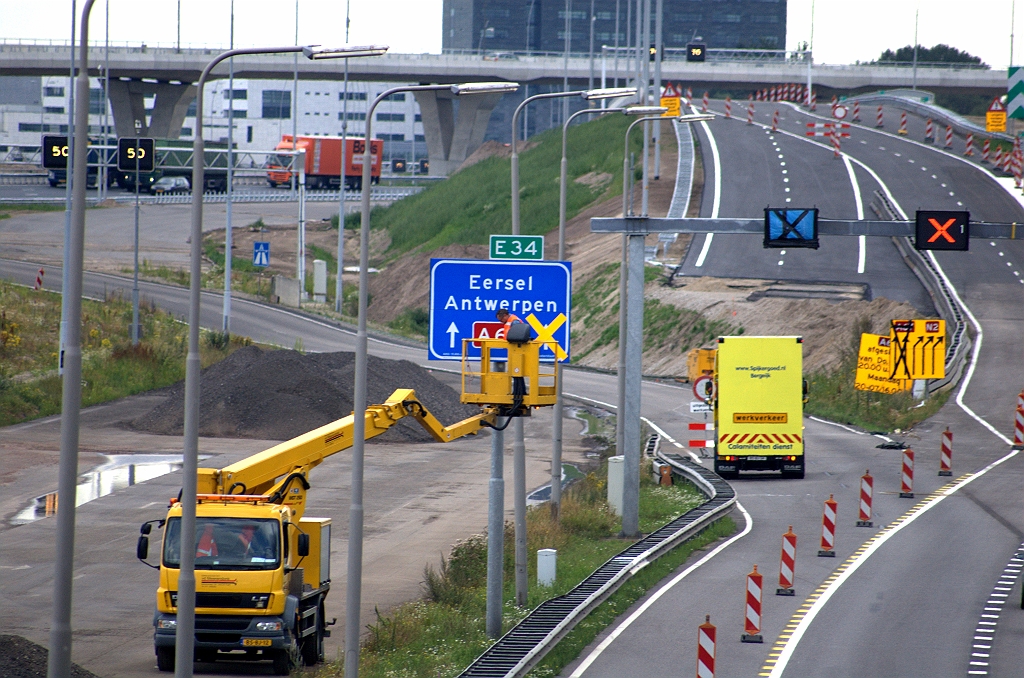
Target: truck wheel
(282, 663)
(273, 184)
(313, 646)
(165, 658)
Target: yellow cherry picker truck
(262, 565)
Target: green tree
(938, 54)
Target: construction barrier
(773, 94)
(1008, 164)
(949, 137)
(946, 454)
(1018, 428)
(750, 112)
(814, 101)
(867, 491)
(775, 120)
(1020, 399)
(704, 104)
(984, 150)
(752, 618)
(998, 162)
(969, 150)
(728, 106)
(787, 566)
(689, 94)
(702, 442)
(39, 279)
(929, 131)
(878, 117)
(834, 103)
(706, 648)
(828, 529)
(907, 475)
(836, 150)
(856, 111)
(903, 124)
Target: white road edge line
(859, 202)
(716, 203)
(604, 644)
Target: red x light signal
(943, 230)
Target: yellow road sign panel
(546, 333)
(874, 366)
(674, 106)
(918, 349)
(995, 121)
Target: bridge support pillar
(453, 131)
(127, 99)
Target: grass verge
(444, 632)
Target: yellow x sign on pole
(545, 333)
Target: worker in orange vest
(508, 318)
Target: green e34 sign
(517, 247)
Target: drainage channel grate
(525, 645)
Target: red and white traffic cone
(969, 150)
(706, 648)
(689, 93)
(1018, 428)
(39, 279)
(828, 529)
(704, 104)
(750, 112)
(902, 131)
(856, 111)
(775, 120)
(949, 137)
(867, 491)
(728, 106)
(836, 150)
(907, 475)
(929, 131)
(787, 567)
(946, 454)
(984, 150)
(752, 618)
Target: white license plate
(757, 458)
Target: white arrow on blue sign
(464, 291)
(261, 253)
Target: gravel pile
(278, 394)
(21, 658)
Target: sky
(845, 31)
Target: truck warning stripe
(761, 438)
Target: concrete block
(546, 566)
(284, 291)
(320, 281)
(616, 467)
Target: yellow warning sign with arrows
(918, 349)
(874, 365)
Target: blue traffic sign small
(468, 291)
(261, 254)
(790, 227)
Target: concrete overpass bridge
(452, 133)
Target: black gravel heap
(279, 394)
(21, 658)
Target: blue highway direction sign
(261, 253)
(464, 291)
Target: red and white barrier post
(949, 137)
(1020, 399)
(752, 618)
(39, 279)
(750, 112)
(704, 103)
(946, 454)
(708, 441)
(828, 529)
(706, 648)
(728, 106)
(878, 117)
(907, 475)
(969, 150)
(867, 492)
(929, 131)
(836, 150)
(984, 150)
(814, 101)
(787, 567)
(689, 93)
(775, 120)
(998, 162)
(902, 131)
(1018, 428)
(834, 102)
(856, 111)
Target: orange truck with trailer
(323, 160)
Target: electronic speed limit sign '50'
(55, 152)
(131, 151)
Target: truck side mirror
(142, 548)
(303, 545)
(146, 528)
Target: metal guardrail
(22, 179)
(386, 194)
(519, 650)
(959, 124)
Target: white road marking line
(606, 643)
(704, 250)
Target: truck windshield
(227, 544)
(280, 160)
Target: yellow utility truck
(699, 362)
(759, 397)
(262, 566)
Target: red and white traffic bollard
(969, 150)
(775, 120)
(929, 131)
(836, 150)
(814, 101)
(1020, 399)
(772, 94)
(984, 150)
(834, 102)
(828, 529)
(704, 104)
(946, 454)
(949, 137)
(39, 279)
(867, 491)
(689, 94)
(998, 162)
(787, 567)
(878, 117)
(728, 106)
(752, 618)
(750, 112)
(1018, 428)
(788, 89)
(706, 648)
(856, 111)
(903, 124)
(907, 475)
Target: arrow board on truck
(464, 292)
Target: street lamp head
(644, 110)
(348, 51)
(608, 93)
(484, 88)
(695, 117)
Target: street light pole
(135, 276)
(341, 178)
(354, 582)
(226, 321)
